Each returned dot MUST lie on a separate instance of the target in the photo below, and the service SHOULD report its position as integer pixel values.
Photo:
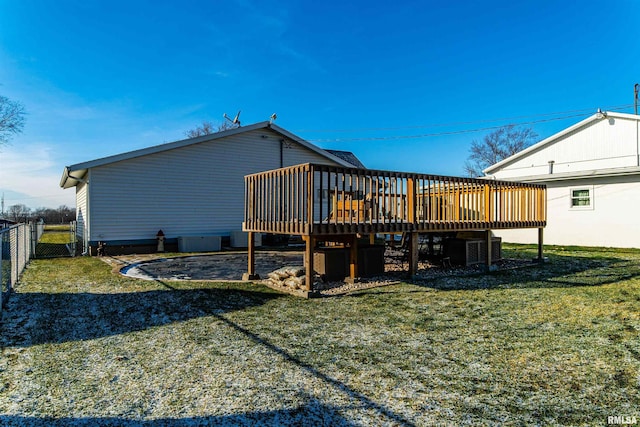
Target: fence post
(1, 270)
(25, 241)
(34, 238)
(73, 239)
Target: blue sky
(401, 84)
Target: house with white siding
(192, 187)
(592, 173)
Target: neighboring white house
(193, 187)
(592, 173)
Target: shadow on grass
(561, 271)
(312, 413)
(64, 317)
(338, 385)
(57, 318)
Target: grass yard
(56, 234)
(555, 344)
(57, 227)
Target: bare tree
(60, 215)
(18, 213)
(11, 119)
(207, 128)
(65, 214)
(496, 146)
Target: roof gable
(74, 174)
(603, 140)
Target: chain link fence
(19, 243)
(57, 241)
(16, 251)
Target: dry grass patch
(554, 344)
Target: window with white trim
(581, 198)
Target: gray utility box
(332, 263)
(199, 243)
(472, 251)
(240, 239)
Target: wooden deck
(329, 203)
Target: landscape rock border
(290, 278)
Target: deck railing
(312, 199)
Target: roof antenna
(236, 119)
(273, 118)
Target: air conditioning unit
(240, 239)
(472, 251)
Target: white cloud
(29, 175)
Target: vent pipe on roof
(551, 162)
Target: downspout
(281, 152)
(87, 216)
(636, 91)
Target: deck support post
(413, 254)
(310, 243)
(353, 259)
(489, 255)
(251, 258)
(431, 250)
(540, 243)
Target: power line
(576, 113)
(454, 132)
(33, 197)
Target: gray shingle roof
(347, 156)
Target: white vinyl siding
(612, 222)
(193, 190)
(583, 208)
(603, 144)
(81, 209)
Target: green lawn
(56, 227)
(555, 344)
(56, 234)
